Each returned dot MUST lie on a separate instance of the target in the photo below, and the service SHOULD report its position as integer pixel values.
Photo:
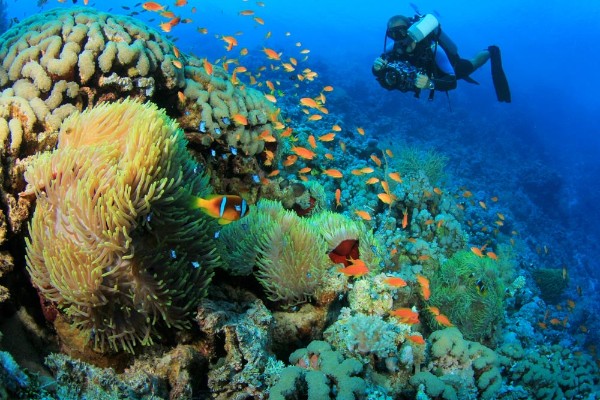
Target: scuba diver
(423, 57)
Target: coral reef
(318, 372)
(6, 265)
(468, 289)
(551, 372)
(55, 63)
(237, 323)
(115, 246)
(411, 161)
(472, 369)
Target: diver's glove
(379, 64)
(423, 82)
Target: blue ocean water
(539, 154)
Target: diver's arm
(447, 79)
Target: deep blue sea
(540, 154)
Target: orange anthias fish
(226, 208)
(356, 268)
(418, 339)
(272, 54)
(152, 6)
(304, 152)
(308, 102)
(231, 41)
(477, 251)
(443, 320)
(395, 281)
(240, 119)
(334, 173)
(363, 214)
(328, 137)
(424, 283)
(338, 197)
(406, 315)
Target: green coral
(318, 372)
(551, 282)
(432, 386)
(552, 372)
(468, 289)
(113, 241)
(411, 160)
(471, 368)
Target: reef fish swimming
(226, 208)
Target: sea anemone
(113, 241)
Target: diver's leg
(480, 58)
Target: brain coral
(55, 63)
(114, 245)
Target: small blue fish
(217, 131)
(195, 264)
(226, 120)
(233, 151)
(202, 127)
(256, 178)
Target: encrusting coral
(115, 246)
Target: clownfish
(226, 208)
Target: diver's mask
(399, 34)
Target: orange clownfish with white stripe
(226, 208)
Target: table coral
(114, 244)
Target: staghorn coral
(114, 243)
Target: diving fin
(470, 80)
(498, 76)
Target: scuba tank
(423, 27)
